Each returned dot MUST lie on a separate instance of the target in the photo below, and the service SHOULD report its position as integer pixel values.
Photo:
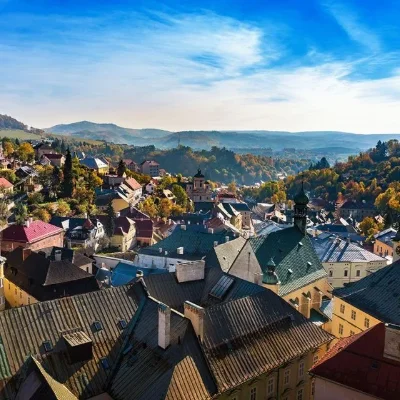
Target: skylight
(97, 325)
(105, 363)
(122, 324)
(221, 287)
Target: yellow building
(383, 244)
(124, 237)
(2, 296)
(367, 302)
(15, 296)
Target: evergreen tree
(68, 182)
(110, 222)
(17, 142)
(21, 213)
(62, 146)
(121, 168)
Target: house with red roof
(34, 235)
(6, 186)
(363, 366)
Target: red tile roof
(37, 230)
(133, 183)
(4, 183)
(357, 362)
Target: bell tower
(300, 210)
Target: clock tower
(396, 246)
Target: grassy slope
(18, 134)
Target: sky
(291, 65)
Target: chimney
(179, 250)
(190, 271)
(164, 326)
(160, 250)
(25, 253)
(57, 255)
(348, 240)
(392, 342)
(196, 315)
(183, 227)
(258, 278)
(170, 221)
(117, 214)
(215, 243)
(210, 230)
(226, 239)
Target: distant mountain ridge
(276, 140)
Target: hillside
(109, 132)
(248, 140)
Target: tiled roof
(333, 250)
(247, 337)
(4, 183)
(297, 263)
(377, 294)
(358, 363)
(23, 330)
(36, 230)
(46, 279)
(133, 183)
(93, 163)
(240, 206)
(195, 240)
(146, 371)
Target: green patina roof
(270, 279)
(290, 250)
(5, 371)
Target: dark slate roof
(377, 294)
(358, 362)
(195, 240)
(46, 279)
(146, 371)
(67, 254)
(240, 206)
(203, 206)
(386, 236)
(332, 250)
(290, 250)
(23, 330)
(357, 205)
(168, 290)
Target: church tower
(300, 210)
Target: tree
(93, 180)
(165, 208)
(181, 196)
(63, 208)
(21, 213)
(41, 214)
(25, 152)
(110, 221)
(232, 187)
(68, 182)
(8, 148)
(4, 211)
(149, 207)
(369, 227)
(121, 168)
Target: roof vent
(47, 346)
(290, 271)
(122, 323)
(300, 244)
(97, 326)
(309, 264)
(79, 346)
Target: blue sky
(273, 64)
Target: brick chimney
(196, 315)
(164, 326)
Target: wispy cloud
(351, 24)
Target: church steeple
(300, 209)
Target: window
(358, 273)
(270, 386)
(313, 387)
(340, 329)
(29, 300)
(105, 363)
(330, 273)
(352, 333)
(97, 325)
(1, 300)
(15, 291)
(315, 358)
(299, 394)
(286, 377)
(1, 282)
(20, 294)
(346, 272)
(47, 346)
(122, 324)
(301, 369)
(353, 315)
(9, 286)
(366, 322)
(253, 394)
(342, 307)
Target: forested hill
(7, 122)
